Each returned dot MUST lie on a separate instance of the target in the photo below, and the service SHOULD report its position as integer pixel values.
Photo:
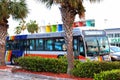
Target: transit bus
(88, 43)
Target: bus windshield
(97, 46)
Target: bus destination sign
(93, 32)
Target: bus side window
(32, 45)
(49, 44)
(81, 49)
(58, 45)
(82, 52)
(22, 46)
(27, 45)
(75, 43)
(9, 45)
(16, 45)
(39, 44)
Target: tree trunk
(3, 34)
(68, 17)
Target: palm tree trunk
(68, 17)
(3, 34)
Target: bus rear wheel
(60, 56)
(13, 60)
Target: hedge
(108, 75)
(59, 65)
(43, 64)
(88, 69)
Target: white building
(114, 36)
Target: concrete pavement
(7, 74)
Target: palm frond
(18, 9)
(93, 1)
(48, 3)
(17, 30)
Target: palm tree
(23, 26)
(69, 9)
(32, 27)
(18, 30)
(15, 8)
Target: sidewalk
(11, 69)
(40, 75)
(6, 68)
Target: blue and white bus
(88, 43)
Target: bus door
(79, 51)
(25, 46)
(75, 47)
(29, 46)
(19, 48)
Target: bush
(43, 64)
(108, 75)
(88, 69)
(81, 69)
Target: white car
(115, 53)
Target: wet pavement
(6, 74)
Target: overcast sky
(106, 14)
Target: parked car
(115, 53)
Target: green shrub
(108, 75)
(88, 69)
(81, 69)
(43, 64)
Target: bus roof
(76, 31)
